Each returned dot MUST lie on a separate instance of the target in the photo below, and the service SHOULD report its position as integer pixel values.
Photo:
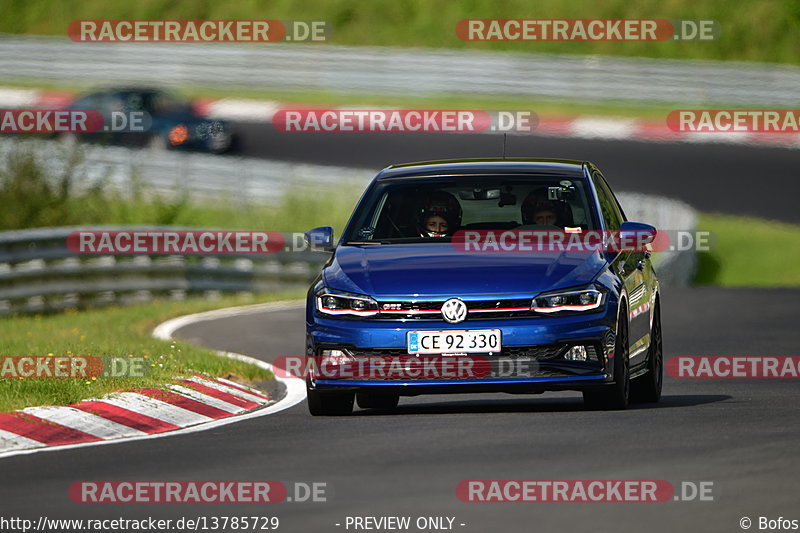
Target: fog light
(576, 353)
(334, 357)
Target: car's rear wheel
(69, 140)
(647, 388)
(373, 400)
(330, 403)
(615, 396)
(157, 143)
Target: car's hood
(433, 269)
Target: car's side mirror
(320, 239)
(636, 234)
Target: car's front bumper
(521, 339)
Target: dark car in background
(169, 122)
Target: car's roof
(553, 167)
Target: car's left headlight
(568, 300)
(333, 302)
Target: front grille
(478, 309)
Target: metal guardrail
(675, 268)
(240, 179)
(418, 72)
(39, 273)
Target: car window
(398, 210)
(609, 207)
(162, 102)
(96, 102)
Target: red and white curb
(190, 404)
(581, 127)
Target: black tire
(647, 388)
(330, 403)
(617, 395)
(157, 143)
(367, 400)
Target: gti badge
(454, 311)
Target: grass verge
(115, 331)
(749, 252)
(43, 198)
(761, 30)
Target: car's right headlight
(569, 300)
(333, 302)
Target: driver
(435, 225)
(439, 215)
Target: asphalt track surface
(740, 434)
(727, 178)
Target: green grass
(760, 30)
(40, 199)
(115, 331)
(749, 252)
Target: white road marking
(18, 97)
(206, 399)
(145, 405)
(12, 441)
(94, 425)
(165, 330)
(295, 387)
(604, 128)
(241, 385)
(227, 389)
(233, 109)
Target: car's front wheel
(330, 403)
(647, 388)
(616, 396)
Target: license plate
(454, 341)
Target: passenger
(537, 209)
(545, 216)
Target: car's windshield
(408, 210)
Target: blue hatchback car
(474, 276)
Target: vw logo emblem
(454, 311)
